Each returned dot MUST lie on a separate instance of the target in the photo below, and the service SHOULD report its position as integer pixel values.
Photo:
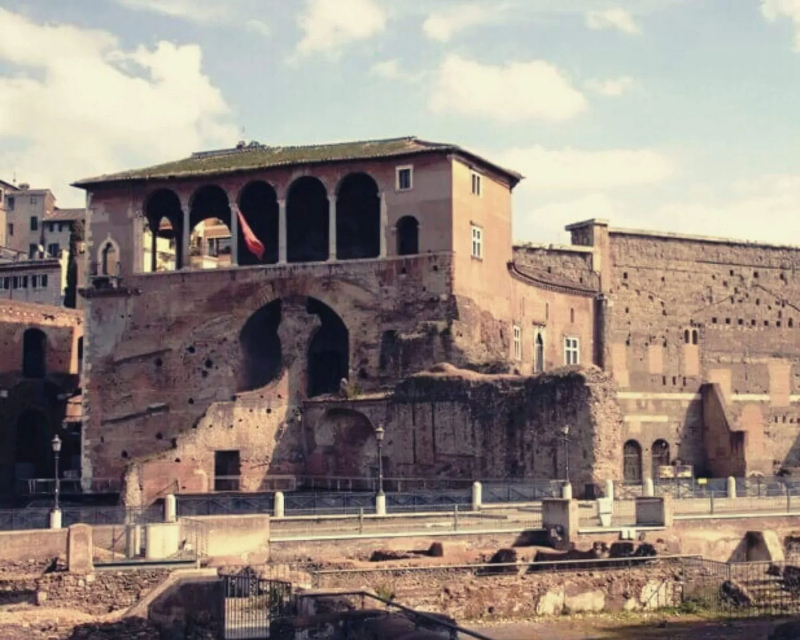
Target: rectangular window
(11, 228)
(476, 184)
(34, 282)
(227, 471)
(572, 351)
(24, 282)
(538, 352)
(405, 178)
(34, 223)
(477, 242)
(517, 342)
(43, 281)
(54, 249)
(33, 251)
(15, 282)
(34, 200)
(3, 284)
(60, 227)
(10, 202)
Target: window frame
(34, 223)
(516, 331)
(572, 347)
(476, 183)
(397, 171)
(476, 241)
(537, 334)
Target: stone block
(79, 549)
(162, 540)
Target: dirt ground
(657, 628)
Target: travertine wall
(686, 310)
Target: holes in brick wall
(174, 443)
(674, 381)
(572, 315)
(191, 400)
(731, 271)
(624, 275)
(753, 322)
(664, 380)
(435, 267)
(177, 460)
(208, 363)
(102, 439)
(204, 373)
(124, 454)
(741, 321)
(627, 310)
(778, 324)
(755, 274)
(159, 362)
(159, 436)
(766, 323)
(727, 320)
(758, 301)
(713, 321)
(191, 348)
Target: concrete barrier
(37, 544)
(162, 540)
(80, 549)
(561, 515)
(242, 537)
(654, 512)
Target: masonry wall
(685, 311)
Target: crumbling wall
(455, 423)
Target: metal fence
(251, 604)
(215, 504)
(128, 544)
(39, 518)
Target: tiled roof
(257, 156)
(65, 215)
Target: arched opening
(329, 351)
(632, 462)
(210, 224)
(34, 353)
(538, 354)
(358, 218)
(163, 234)
(109, 259)
(307, 221)
(261, 347)
(258, 203)
(345, 445)
(686, 336)
(407, 236)
(660, 456)
(33, 453)
(694, 336)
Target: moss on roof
(256, 156)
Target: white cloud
(772, 10)
(576, 169)
(514, 92)
(102, 108)
(327, 26)
(387, 69)
(613, 18)
(443, 25)
(201, 11)
(611, 87)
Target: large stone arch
(33, 453)
(358, 217)
(164, 216)
(34, 353)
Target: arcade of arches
(308, 226)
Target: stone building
(353, 271)
(702, 338)
(362, 262)
(40, 356)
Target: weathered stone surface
(551, 603)
(586, 602)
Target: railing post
(455, 517)
(477, 496)
(170, 508)
(731, 487)
(648, 490)
(610, 489)
(712, 502)
(278, 506)
(361, 519)
(788, 499)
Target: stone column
(55, 519)
(186, 258)
(279, 509)
(332, 229)
(610, 489)
(384, 224)
(566, 491)
(170, 508)
(281, 231)
(731, 487)
(648, 490)
(380, 504)
(234, 234)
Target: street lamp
(565, 438)
(56, 450)
(379, 433)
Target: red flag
(255, 245)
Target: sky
(671, 115)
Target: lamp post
(565, 438)
(379, 433)
(56, 450)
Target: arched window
(407, 236)
(694, 336)
(660, 456)
(686, 336)
(632, 462)
(80, 354)
(538, 353)
(109, 259)
(163, 233)
(34, 353)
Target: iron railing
(39, 518)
